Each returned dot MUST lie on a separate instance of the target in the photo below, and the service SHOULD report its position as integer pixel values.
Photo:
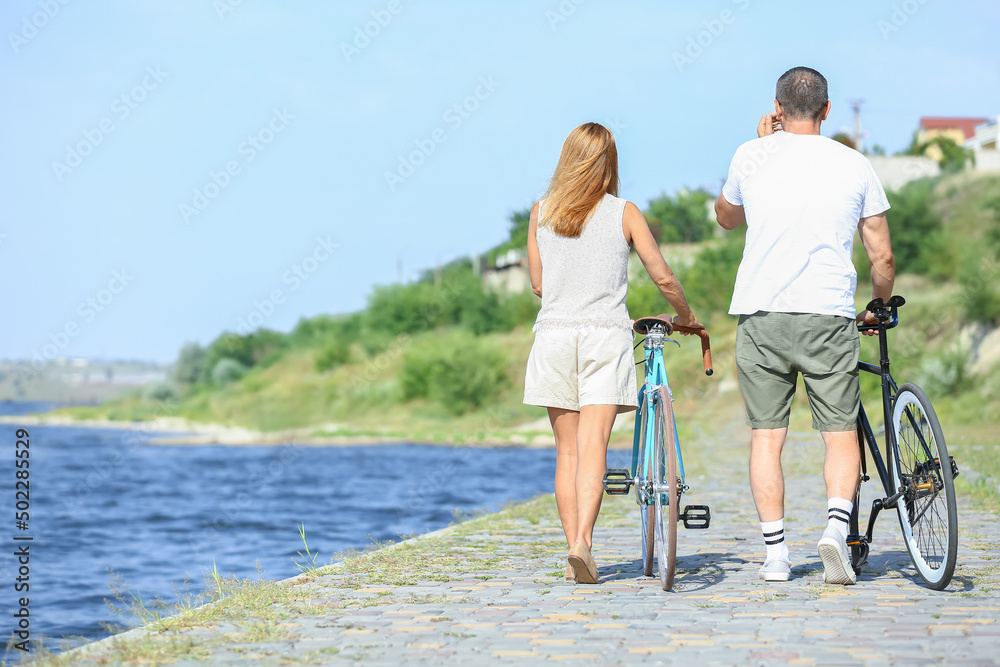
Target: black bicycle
(919, 480)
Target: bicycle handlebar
(706, 346)
(643, 323)
(887, 313)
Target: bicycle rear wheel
(666, 496)
(643, 476)
(927, 512)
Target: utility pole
(856, 105)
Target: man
(802, 196)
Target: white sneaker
(836, 557)
(775, 570)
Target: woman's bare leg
(593, 434)
(564, 428)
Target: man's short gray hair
(802, 93)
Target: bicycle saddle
(643, 324)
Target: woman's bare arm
(534, 259)
(637, 234)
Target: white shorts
(569, 368)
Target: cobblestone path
(491, 591)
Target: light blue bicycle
(657, 465)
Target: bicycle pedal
(696, 517)
(618, 481)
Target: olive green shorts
(773, 348)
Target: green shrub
(945, 374)
(227, 370)
(683, 218)
(317, 331)
(456, 370)
(161, 392)
(980, 295)
(249, 350)
(915, 226)
(333, 354)
(710, 281)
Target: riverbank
(180, 431)
(492, 590)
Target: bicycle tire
(927, 512)
(859, 551)
(647, 513)
(665, 463)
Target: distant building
(983, 143)
(957, 129)
(510, 275)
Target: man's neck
(801, 126)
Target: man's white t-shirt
(803, 196)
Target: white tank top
(585, 279)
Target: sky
(180, 168)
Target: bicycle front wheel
(643, 479)
(922, 469)
(666, 494)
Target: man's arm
(730, 216)
(534, 258)
(874, 232)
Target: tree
(843, 138)
(517, 235)
(227, 370)
(950, 156)
(683, 218)
(190, 364)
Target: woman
(581, 365)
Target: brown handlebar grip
(706, 346)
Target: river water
(104, 501)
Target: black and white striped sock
(838, 514)
(774, 539)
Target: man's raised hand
(769, 124)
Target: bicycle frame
(867, 436)
(656, 375)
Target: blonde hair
(587, 170)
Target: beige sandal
(583, 563)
